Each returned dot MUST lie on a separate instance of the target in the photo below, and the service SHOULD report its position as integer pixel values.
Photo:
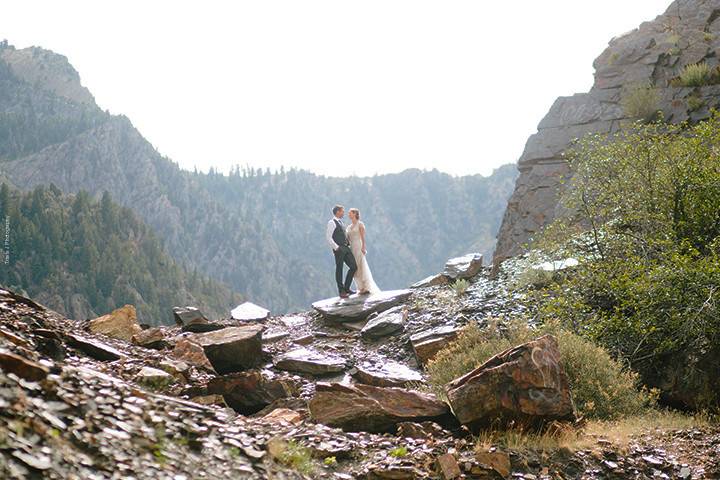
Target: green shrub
(398, 452)
(297, 456)
(647, 201)
(601, 387)
(641, 102)
(460, 286)
(696, 75)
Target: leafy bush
(696, 75)
(646, 202)
(298, 457)
(460, 286)
(600, 386)
(641, 102)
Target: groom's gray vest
(338, 235)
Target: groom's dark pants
(344, 255)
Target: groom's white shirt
(328, 233)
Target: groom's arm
(328, 235)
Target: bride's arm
(362, 237)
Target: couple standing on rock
(348, 245)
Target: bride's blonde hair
(356, 212)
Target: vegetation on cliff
(647, 230)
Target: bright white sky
(333, 86)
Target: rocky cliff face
(653, 54)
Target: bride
(356, 235)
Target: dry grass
(618, 432)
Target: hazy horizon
(331, 87)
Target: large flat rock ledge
(358, 307)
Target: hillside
(261, 233)
(84, 258)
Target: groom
(335, 236)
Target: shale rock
(427, 343)
(188, 351)
(359, 307)
(94, 348)
(524, 384)
(386, 374)
(466, 266)
(121, 323)
(153, 377)
(249, 392)
(387, 323)
(150, 338)
(431, 281)
(22, 367)
(304, 360)
(232, 349)
(185, 316)
(373, 409)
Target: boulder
(251, 391)
(387, 323)
(423, 430)
(153, 377)
(151, 338)
(525, 384)
(22, 367)
(496, 460)
(431, 281)
(386, 374)
(188, 316)
(284, 415)
(466, 266)
(427, 343)
(176, 368)
(232, 349)
(305, 360)
(359, 307)
(249, 312)
(94, 348)
(374, 409)
(448, 467)
(188, 351)
(121, 323)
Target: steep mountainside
(259, 233)
(85, 258)
(645, 60)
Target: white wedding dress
(363, 277)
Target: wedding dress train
(363, 277)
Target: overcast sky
(332, 86)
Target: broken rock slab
(151, 338)
(387, 323)
(387, 373)
(359, 307)
(251, 391)
(232, 349)
(153, 377)
(94, 348)
(22, 367)
(428, 343)
(249, 312)
(431, 281)
(466, 266)
(374, 409)
(305, 360)
(188, 351)
(525, 385)
(121, 323)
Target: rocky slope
(653, 54)
(306, 392)
(258, 233)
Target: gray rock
(427, 343)
(387, 323)
(304, 360)
(386, 374)
(154, 377)
(466, 266)
(249, 312)
(232, 349)
(359, 307)
(185, 316)
(431, 281)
